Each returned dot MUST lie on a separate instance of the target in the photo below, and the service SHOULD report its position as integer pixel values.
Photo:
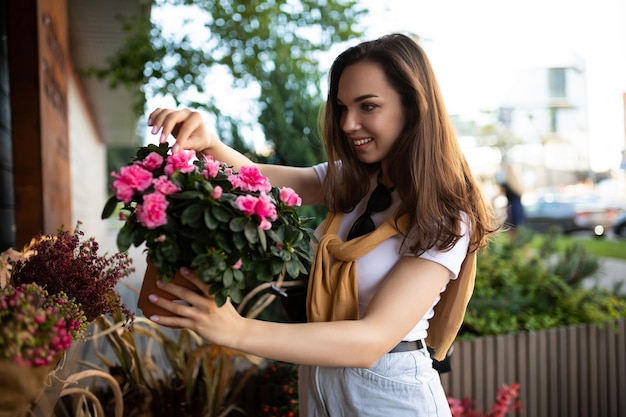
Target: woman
(404, 213)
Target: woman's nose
(350, 122)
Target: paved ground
(612, 274)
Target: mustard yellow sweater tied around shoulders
(333, 287)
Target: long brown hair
(426, 163)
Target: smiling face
(372, 115)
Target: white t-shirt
(373, 267)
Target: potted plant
(232, 228)
(36, 329)
(49, 293)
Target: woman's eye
(368, 107)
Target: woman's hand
(186, 126)
(202, 315)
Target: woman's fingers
(190, 276)
(185, 125)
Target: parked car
(619, 227)
(571, 215)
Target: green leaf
(235, 295)
(240, 241)
(109, 207)
(168, 252)
(209, 219)
(276, 267)
(293, 268)
(191, 214)
(227, 279)
(238, 275)
(125, 237)
(262, 239)
(221, 214)
(251, 233)
(237, 224)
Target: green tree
(249, 38)
(274, 44)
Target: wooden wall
(38, 61)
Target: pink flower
(265, 224)
(165, 186)
(246, 204)
(290, 197)
(237, 264)
(180, 161)
(250, 178)
(212, 167)
(265, 209)
(152, 213)
(160, 238)
(130, 178)
(153, 161)
(123, 192)
(262, 206)
(217, 192)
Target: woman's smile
(372, 113)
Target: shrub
(522, 286)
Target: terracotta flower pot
(149, 286)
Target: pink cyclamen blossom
(290, 197)
(153, 161)
(180, 161)
(151, 214)
(217, 192)
(237, 265)
(165, 186)
(249, 178)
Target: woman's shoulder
(322, 168)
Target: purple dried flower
(65, 263)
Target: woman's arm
(191, 133)
(402, 300)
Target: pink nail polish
(154, 318)
(155, 129)
(153, 298)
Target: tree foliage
(272, 44)
(251, 39)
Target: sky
(476, 45)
